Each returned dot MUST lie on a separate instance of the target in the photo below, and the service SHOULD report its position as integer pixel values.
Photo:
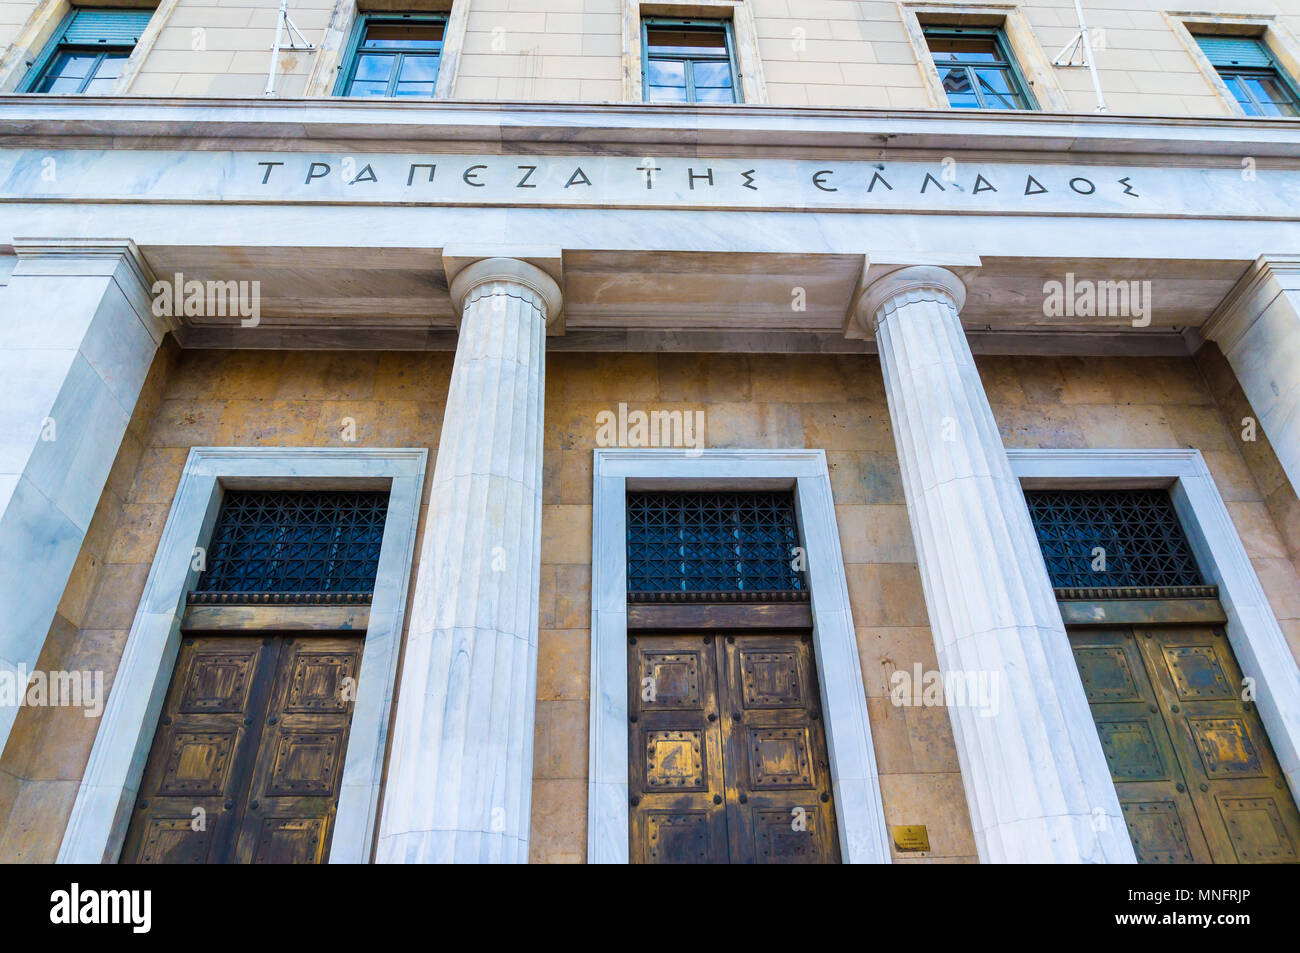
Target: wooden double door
(727, 751)
(248, 756)
(1197, 778)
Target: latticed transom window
(324, 545)
(1106, 538)
(713, 542)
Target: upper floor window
(1251, 75)
(395, 55)
(976, 68)
(688, 61)
(87, 52)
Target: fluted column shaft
(1035, 777)
(459, 781)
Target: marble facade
(492, 334)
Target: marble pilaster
(1258, 330)
(77, 337)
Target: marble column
(1258, 329)
(459, 783)
(77, 337)
(1036, 780)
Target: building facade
(598, 430)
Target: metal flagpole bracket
(297, 42)
(1072, 49)
(1080, 45)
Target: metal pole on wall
(1081, 43)
(281, 22)
(1087, 52)
(275, 49)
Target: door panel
(1194, 770)
(295, 785)
(675, 751)
(1233, 776)
(776, 764)
(1152, 790)
(728, 756)
(266, 714)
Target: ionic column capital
(510, 271)
(913, 279)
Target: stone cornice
(313, 124)
(1261, 283)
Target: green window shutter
(1235, 51)
(106, 27)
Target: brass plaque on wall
(908, 837)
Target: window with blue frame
(977, 69)
(688, 61)
(1251, 74)
(394, 55)
(87, 52)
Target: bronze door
(1196, 776)
(728, 757)
(247, 759)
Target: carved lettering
(269, 166)
(692, 175)
(818, 178)
(410, 177)
(578, 178)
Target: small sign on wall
(911, 837)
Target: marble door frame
(1252, 627)
(858, 803)
(106, 797)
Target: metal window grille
(294, 546)
(112, 27)
(1112, 538)
(713, 542)
(1234, 50)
